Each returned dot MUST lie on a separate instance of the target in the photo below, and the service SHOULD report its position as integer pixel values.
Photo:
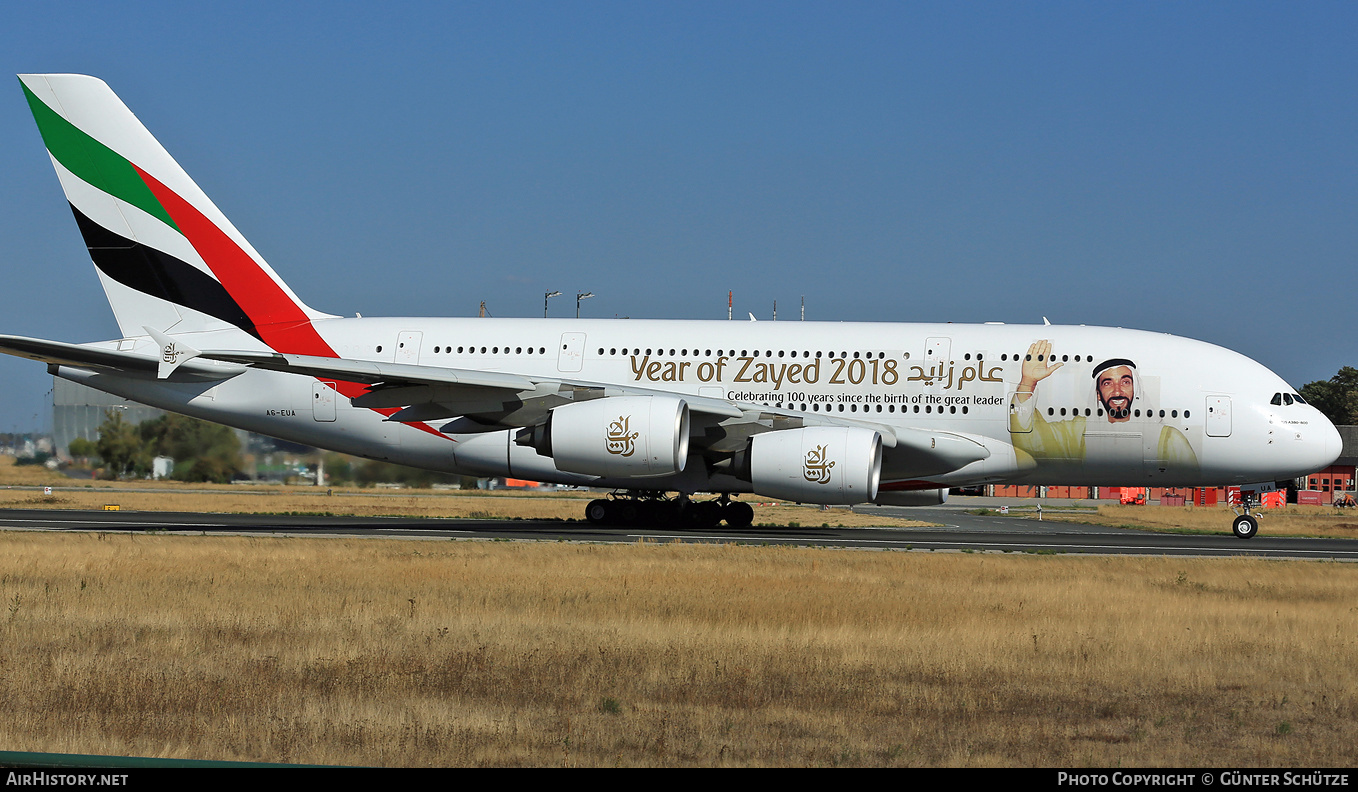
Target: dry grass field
(503, 654)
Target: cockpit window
(1298, 398)
(1287, 399)
(1277, 399)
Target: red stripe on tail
(281, 322)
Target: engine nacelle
(817, 464)
(621, 436)
(927, 497)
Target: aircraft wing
(432, 392)
(486, 400)
(371, 372)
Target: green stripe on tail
(92, 161)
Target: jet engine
(817, 464)
(927, 497)
(615, 437)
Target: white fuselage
(1201, 414)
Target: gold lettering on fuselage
(621, 441)
(816, 469)
(869, 370)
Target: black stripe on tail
(159, 274)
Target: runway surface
(957, 531)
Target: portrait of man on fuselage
(1116, 388)
(1117, 392)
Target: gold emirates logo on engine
(816, 469)
(620, 440)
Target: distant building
(77, 411)
(1339, 477)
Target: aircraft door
(323, 401)
(408, 347)
(1218, 416)
(571, 354)
(937, 350)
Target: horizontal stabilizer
(123, 362)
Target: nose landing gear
(1245, 525)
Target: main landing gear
(644, 508)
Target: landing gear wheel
(597, 511)
(702, 515)
(1245, 526)
(737, 514)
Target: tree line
(202, 451)
(1336, 397)
(208, 452)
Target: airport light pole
(578, 297)
(545, 298)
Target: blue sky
(1191, 168)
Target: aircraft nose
(1329, 444)
(1314, 445)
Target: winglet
(172, 353)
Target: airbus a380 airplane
(840, 413)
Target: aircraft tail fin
(167, 257)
